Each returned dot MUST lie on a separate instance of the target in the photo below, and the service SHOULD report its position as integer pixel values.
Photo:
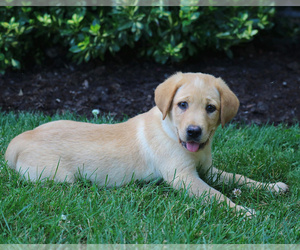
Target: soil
(265, 79)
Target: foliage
(140, 213)
(162, 33)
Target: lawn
(153, 213)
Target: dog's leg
(190, 180)
(224, 177)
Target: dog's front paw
(279, 187)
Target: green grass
(49, 212)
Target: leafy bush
(162, 33)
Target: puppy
(171, 141)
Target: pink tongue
(192, 146)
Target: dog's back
(62, 149)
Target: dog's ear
(166, 91)
(229, 102)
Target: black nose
(193, 132)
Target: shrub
(162, 33)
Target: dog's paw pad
(279, 187)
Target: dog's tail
(11, 155)
(15, 147)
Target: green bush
(162, 33)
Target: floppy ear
(166, 91)
(229, 102)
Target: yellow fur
(147, 146)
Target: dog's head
(195, 104)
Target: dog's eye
(183, 105)
(210, 108)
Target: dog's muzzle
(193, 134)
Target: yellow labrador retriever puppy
(172, 141)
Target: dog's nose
(193, 132)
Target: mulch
(266, 81)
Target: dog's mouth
(193, 146)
